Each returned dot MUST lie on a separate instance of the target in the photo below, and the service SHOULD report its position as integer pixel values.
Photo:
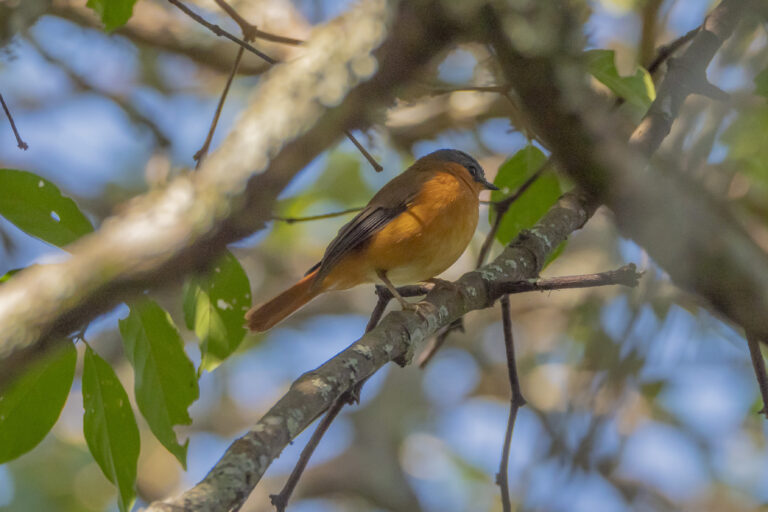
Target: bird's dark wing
(356, 232)
(389, 202)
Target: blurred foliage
(761, 83)
(637, 399)
(637, 90)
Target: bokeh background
(638, 399)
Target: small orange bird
(413, 229)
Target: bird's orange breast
(421, 242)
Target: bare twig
(251, 32)
(366, 154)
(758, 363)
(665, 52)
(200, 155)
(221, 32)
(517, 400)
(291, 220)
(280, 501)
(626, 276)
(22, 145)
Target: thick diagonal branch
(300, 108)
(690, 235)
(396, 338)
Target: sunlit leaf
(214, 307)
(535, 201)
(110, 427)
(5, 277)
(636, 89)
(113, 13)
(31, 405)
(165, 379)
(36, 206)
(746, 143)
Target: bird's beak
(489, 185)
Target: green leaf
(5, 277)
(214, 307)
(165, 379)
(761, 83)
(31, 405)
(36, 206)
(113, 13)
(110, 427)
(746, 144)
(535, 201)
(342, 181)
(637, 89)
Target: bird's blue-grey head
(460, 157)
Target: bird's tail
(264, 317)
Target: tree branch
(395, 339)
(517, 400)
(280, 501)
(693, 238)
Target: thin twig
(517, 400)
(291, 220)
(666, 51)
(221, 32)
(758, 363)
(251, 32)
(280, 500)
(626, 276)
(366, 154)
(200, 155)
(22, 145)
(662, 55)
(501, 208)
(500, 89)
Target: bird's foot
(422, 308)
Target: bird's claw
(422, 308)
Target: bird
(414, 228)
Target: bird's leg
(393, 290)
(441, 283)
